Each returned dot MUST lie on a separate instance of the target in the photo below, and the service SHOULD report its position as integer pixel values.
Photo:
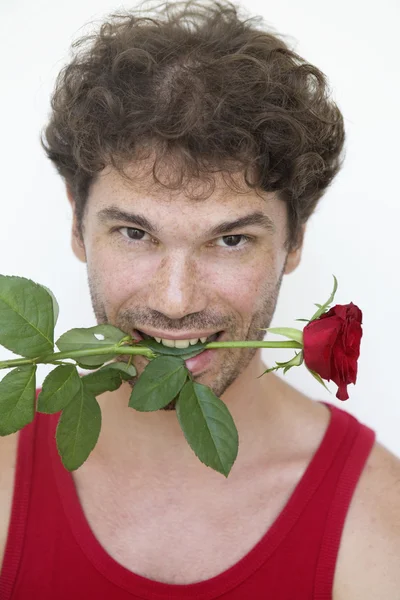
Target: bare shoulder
(8, 460)
(368, 565)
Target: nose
(177, 288)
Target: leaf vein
(26, 320)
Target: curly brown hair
(197, 84)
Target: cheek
(118, 278)
(243, 286)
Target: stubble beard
(235, 360)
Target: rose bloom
(332, 345)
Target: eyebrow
(258, 218)
(113, 213)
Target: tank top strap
(363, 439)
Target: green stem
(52, 358)
(8, 364)
(57, 356)
(97, 352)
(254, 344)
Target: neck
(154, 442)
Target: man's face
(177, 275)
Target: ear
(294, 257)
(77, 244)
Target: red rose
(332, 345)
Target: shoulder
(368, 565)
(8, 460)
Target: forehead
(204, 201)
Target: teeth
(182, 343)
(178, 343)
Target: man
(311, 508)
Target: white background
(354, 233)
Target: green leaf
(88, 367)
(58, 389)
(126, 371)
(208, 427)
(289, 332)
(78, 429)
(26, 317)
(103, 380)
(56, 308)
(84, 338)
(17, 399)
(276, 368)
(160, 382)
(183, 353)
(319, 379)
(296, 361)
(305, 320)
(325, 306)
(108, 378)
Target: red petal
(319, 337)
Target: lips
(199, 363)
(177, 343)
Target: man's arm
(368, 566)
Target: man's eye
(233, 241)
(132, 233)
(228, 241)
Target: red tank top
(52, 554)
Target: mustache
(153, 319)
